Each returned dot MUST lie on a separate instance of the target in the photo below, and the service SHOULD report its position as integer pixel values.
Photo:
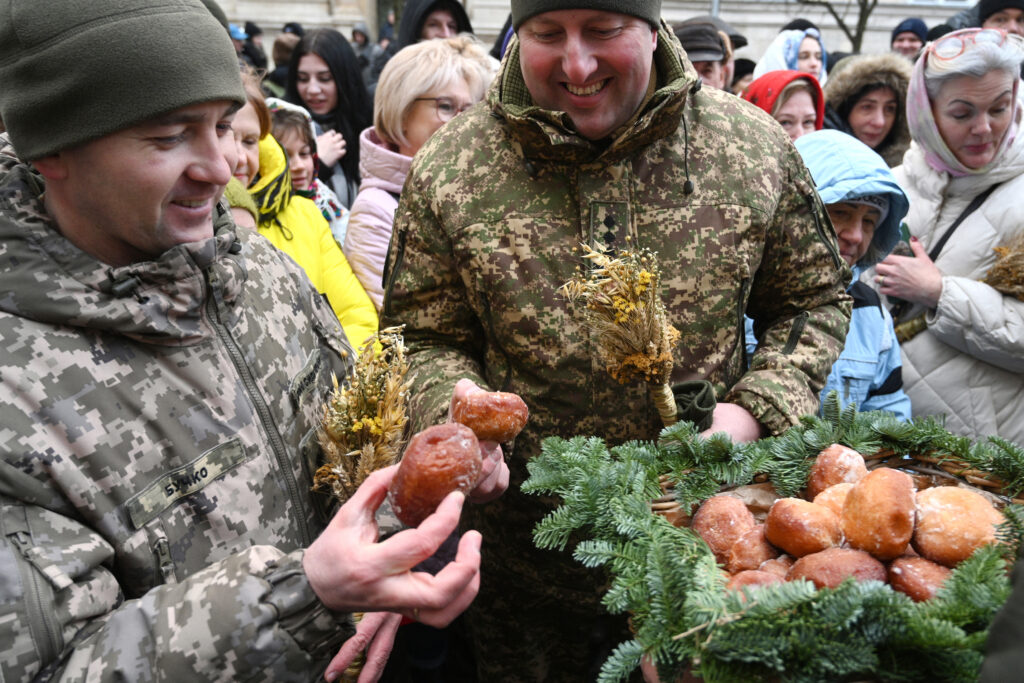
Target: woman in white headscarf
(798, 50)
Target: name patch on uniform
(183, 481)
(306, 380)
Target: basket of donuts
(854, 547)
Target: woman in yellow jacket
(294, 224)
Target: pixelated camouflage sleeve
(423, 291)
(251, 616)
(799, 305)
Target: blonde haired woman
(422, 87)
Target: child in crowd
(293, 128)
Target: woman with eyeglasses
(420, 89)
(960, 319)
(325, 78)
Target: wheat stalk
(363, 423)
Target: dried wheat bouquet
(364, 420)
(625, 311)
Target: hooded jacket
(373, 212)
(371, 56)
(849, 79)
(296, 226)
(488, 228)
(869, 370)
(968, 364)
(415, 12)
(157, 450)
(764, 92)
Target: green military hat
(648, 10)
(92, 67)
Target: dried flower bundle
(363, 425)
(1007, 273)
(626, 313)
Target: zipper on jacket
(741, 325)
(162, 550)
(397, 245)
(39, 622)
(799, 323)
(277, 445)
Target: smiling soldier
(597, 131)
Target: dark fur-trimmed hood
(851, 75)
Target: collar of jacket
(48, 279)
(550, 136)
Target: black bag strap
(968, 210)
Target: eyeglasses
(445, 107)
(953, 45)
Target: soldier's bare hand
(736, 421)
(350, 571)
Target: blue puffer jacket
(869, 370)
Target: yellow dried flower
(364, 421)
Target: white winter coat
(969, 363)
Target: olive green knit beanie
(648, 10)
(74, 71)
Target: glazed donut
(440, 459)
(492, 415)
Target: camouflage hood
(550, 135)
(48, 279)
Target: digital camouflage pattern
(489, 226)
(157, 449)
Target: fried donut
(832, 566)
(878, 515)
(720, 521)
(918, 577)
(833, 497)
(835, 465)
(780, 565)
(800, 527)
(750, 550)
(752, 577)
(440, 459)
(952, 523)
(492, 415)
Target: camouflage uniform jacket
(489, 225)
(158, 431)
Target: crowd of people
(197, 237)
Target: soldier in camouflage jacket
(489, 225)
(162, 382)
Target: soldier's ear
(52, 167)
